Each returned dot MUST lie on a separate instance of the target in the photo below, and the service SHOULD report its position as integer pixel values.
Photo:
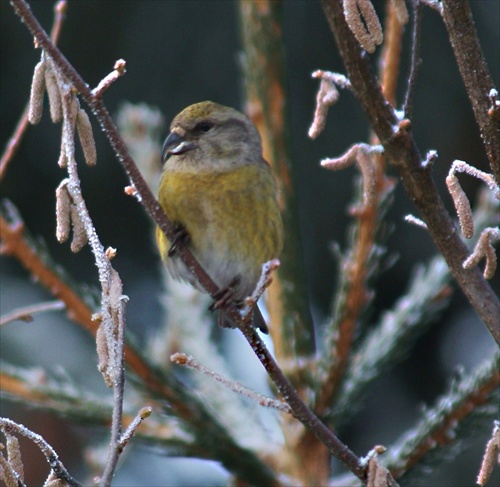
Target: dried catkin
(36, 95)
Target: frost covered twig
(263, 283)
(188, 361)
(415, 221)
(119, 69)
(26, 313)
(9, 427)
(132, 427)
(71, 207)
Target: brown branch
(403, 153)
(299, 410)
(14, 142)
(458, 19)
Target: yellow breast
(232, 219)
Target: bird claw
(224, 295)
(181, 238)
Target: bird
(222, 198)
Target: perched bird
(221, 195)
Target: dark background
(181, 52)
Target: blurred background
(181, 52)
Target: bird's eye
(204, 126)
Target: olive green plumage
(220, 190)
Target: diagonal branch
(401, 149)
(458, 19)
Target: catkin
(80, 238)
(364, 24)
(36, 95)
(86, 137)
(63, 212)
(55, 102)
(462, 205)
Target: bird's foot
(181, 238)
(224, 295)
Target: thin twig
(299, 409)
(26, 313)
(264, 282)
(415, 221)
(132, 427)
(119, 69)
(415, 58)
(8, 426)
(112, 303)
(192, 363)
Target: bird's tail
(257, 320)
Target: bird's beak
(175, 145)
